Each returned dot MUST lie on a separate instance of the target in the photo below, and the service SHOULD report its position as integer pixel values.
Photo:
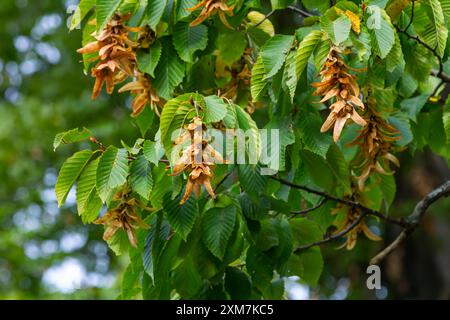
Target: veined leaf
(305, 50)
(436, 34)
(216, 109)
(170, 70)
(155, 10)
(176, 113)
(141, 177)
(338, 30)
(381, 31)
(105, 10)
(274, 53)
(217, 226)
(258, 84)
(246, 123)
(112, 171)
(147, 60)
(231, 46)
(88, 200)
(181, 217)
(71, 136)
(69, 173)
(187, 40)
(251, 180)
(81, 11)
(153, 151)
(290, 74)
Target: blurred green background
(47, 253)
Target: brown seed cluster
(351, 215)
(211, 7)
(117, 62)
(338, 83)
(375, 141)
(115, 54)
(123, 216)
(197, 160)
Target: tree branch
(350, 203)
(414, 220)
(332, 237)
(305, 211)
(300, 11)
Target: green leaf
(119, 242)
(413, 105)
(104, 11)
(436, 34)
(308, 264)
(170, 71)
(237, 284)
(217, 227)
(187, 40)
(258, 84)
(304, 52)
(147, 60)
(69, 173)
(157, 237)
(338, 30)
(141, 177)
(446, 121)
(281, 4)
(381, 31)
(80, 13)
(181, 217)
(71, 136)
(112, 171)
(401, 123)
(309, 124)
(388, 188)
(259, 31)
(251, 180)
(88, 200)
(187, 270)
(181, 8)
(176, 113)
(155, 11)
(274, 53)
(231, 45)
(260, 267)
(246, 123)
(216, 109)
(153, 151)
(339, 166)
(290, 74)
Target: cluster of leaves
(242, 243)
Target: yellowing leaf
(356, 22)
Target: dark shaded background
(46, 252)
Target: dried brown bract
(211, 7)
(352, 214)
(123, 216)
(375, 141)
(115, 54)
(144, 94)
(197, 160)
(338, 83)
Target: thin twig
(412, 16)
(350, 203)
(334, 236)
(267, 16)
(414, 220)
(300, 11)
(305, 211)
